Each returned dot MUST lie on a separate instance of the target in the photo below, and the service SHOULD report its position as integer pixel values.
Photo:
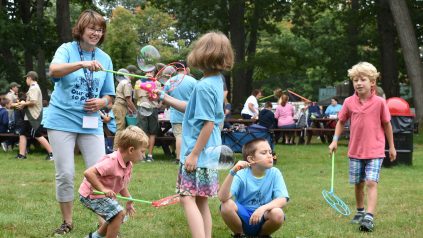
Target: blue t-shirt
(71, 91)
(333, 110)
(205, 104)
(182, 91)
(254, 192)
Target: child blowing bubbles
(370, 122)
(259, 193)
(198, 176)
(111, 175)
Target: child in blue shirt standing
(198, 176)
(254, 193)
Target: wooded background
(302, 45)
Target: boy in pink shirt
(370, 122)
(111, 175)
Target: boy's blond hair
(132, 136)
(249, 148)
(364, 69)
(212, 53)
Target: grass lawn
(28, 207)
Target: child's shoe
(49, 157)
(63, 229)
(19, 156)
(238, 235)
(149, 158)
(367, 224)
(358, 218)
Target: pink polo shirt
(115, 175)
(367, 136)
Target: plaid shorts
(364, 170)
(105, 207)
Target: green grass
(28, 207)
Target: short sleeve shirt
(115, 174)
(184, 85)
(253, 192)
(204, 105)
(246, 109)
(66, 108)
(34, 95)
(123, 90)
(367, 135)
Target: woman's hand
(94, 104)
(92, 65)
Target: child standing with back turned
(370, 122)
(254, 193)
(111, 175)
(198, 178)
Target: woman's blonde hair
(132, 136)
(89, 17)
(212, 53)
(364, 69)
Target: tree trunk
(410, 50)
(251, 48)
(352, 30)
(63, 21)
(237, 36)
(389, 69)
(25, 9)
(41, 59)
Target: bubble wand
(128, 74)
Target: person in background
(148, 123)
(4, 120)
(227, 108)
(285, 115)
(123, 102)
(266, 116)
(333, 109)
(81, 89)
(251, 107)
(33, 108)
(182, 92)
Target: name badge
(90, 122)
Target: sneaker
(63, 229)
(367, 224)
(19, 156)
(49, 157)
(238, 235)
(358, 218)
(149, 158)
(4, 146)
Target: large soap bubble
(148, 57)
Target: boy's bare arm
(259, 212)
(387, 127)
(91, 174)
(338, 131)
(130, 104)
(224, 193)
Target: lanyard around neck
(88, 76)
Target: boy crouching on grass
(111, 175)
(254, 193)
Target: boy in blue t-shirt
(254, 193)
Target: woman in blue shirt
(81, 89)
